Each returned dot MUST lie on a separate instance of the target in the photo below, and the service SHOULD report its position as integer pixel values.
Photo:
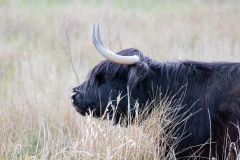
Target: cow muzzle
(73, 96)
(78, 102)
(76, 97)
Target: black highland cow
(213, 87)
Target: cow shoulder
(232, 103)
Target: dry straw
(37, 120)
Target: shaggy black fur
(214, 86)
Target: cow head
(110, 78)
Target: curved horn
(103, 49)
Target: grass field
(37, 120)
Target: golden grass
(37, 120)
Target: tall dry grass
(37, 120)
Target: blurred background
(46, 50)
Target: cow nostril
(73, 95)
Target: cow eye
(100, 78)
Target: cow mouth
(81, 110)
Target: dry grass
(37, 120)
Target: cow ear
(137, 72)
